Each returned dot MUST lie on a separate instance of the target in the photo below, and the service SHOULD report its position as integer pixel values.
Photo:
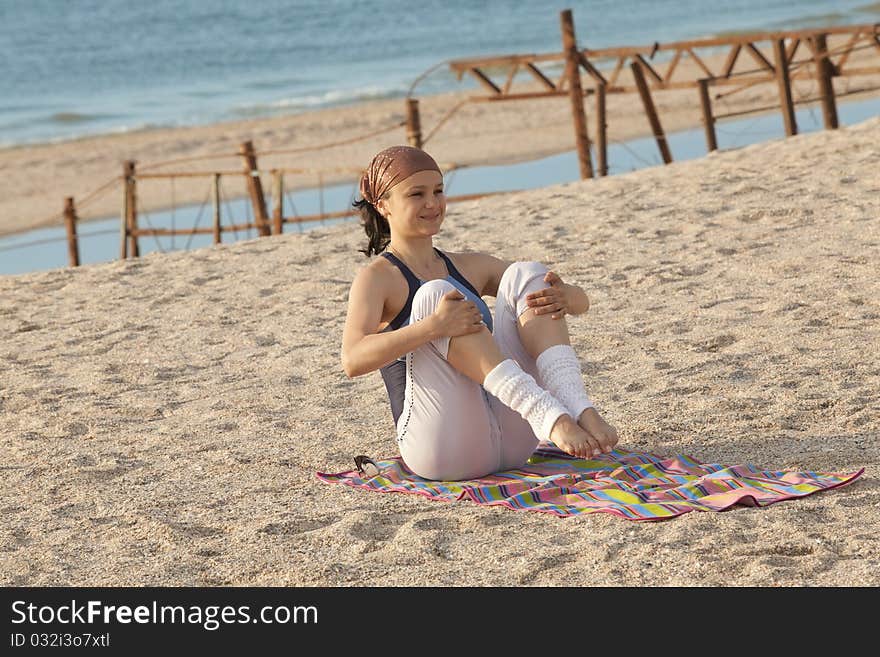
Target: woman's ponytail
(375, 226)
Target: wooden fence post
(70, 224)
(123, 220)
(783, 81)
(255, 187)
(413, 123)
(651, 111)
(601, 132)
(216, 195)
(575, 92)
(278, 201)
(825, 69)
(708, 119)
(131, 218)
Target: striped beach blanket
(632, 485)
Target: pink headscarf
(391, 166)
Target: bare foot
(571, 439)
(602, 432)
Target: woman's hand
(455, 315)
(553, 299)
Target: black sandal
(362, 461)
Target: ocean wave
(58, 118)
(731, 33)
(83, 134)
(816, 20)
(874, 7)
(326, 99)
(13, 109)
(793, 24)
(282, 83)
(75, 117)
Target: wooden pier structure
(751, 59)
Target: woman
(470, 395)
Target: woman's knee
(428, 297)
(520, 279)
(425, 302)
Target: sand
(163, 418)
(36, 179)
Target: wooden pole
(413, 123)
(123, 218)
(278, 201)
(708, 119)
(575, 92)
(255, 187)
(321, 195)
(70, 224)
(216, 194)
(601, 132)
(134, 248)
(784, 83)
(651, 111)
(825, 70)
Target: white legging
(450, 427)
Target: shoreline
(481, 133)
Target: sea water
(85, 67)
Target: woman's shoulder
(473, 260)
(377, 271)
(380, 279)
(469, 257)
(480, 269)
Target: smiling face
(416, 206)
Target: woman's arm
(495, 268)
(578, 301)
(364, 350)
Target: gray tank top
(394, 374)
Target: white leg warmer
(519, 391)
(560, 372)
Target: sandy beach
(36, 179)
(163, 418)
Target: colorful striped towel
(632, 485)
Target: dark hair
(375, 226)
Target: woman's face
(416, 206)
